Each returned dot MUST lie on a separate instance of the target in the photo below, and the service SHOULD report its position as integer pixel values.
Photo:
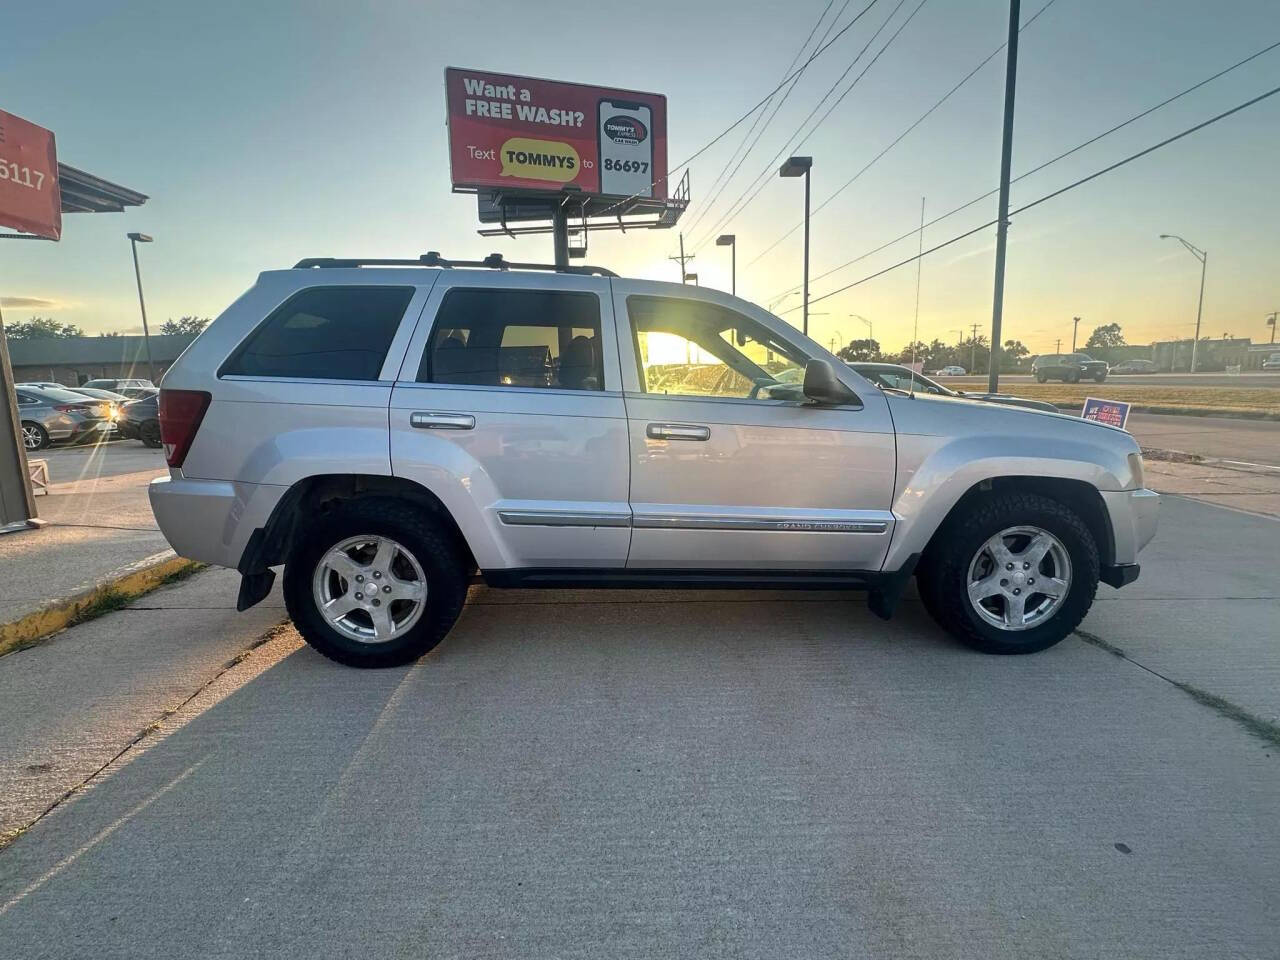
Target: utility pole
(1002, 218)
(973, 348)
(1075, 326)
(1058, 346)
(1271, 322)
(682, 260)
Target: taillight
(180, 413)
(72, 407)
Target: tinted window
(332, 333)
(516, 338)
(26, 398)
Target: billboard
(513, 133)
(29, 199)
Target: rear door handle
(677, 431)
(430, 420)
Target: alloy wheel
(370, 589)
(1019, 578)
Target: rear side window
(329, 333)
(516, 338)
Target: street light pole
(730, 241)
(1203, 257)
(1075, 326)
(871, 335)
(1002, 216)
(795, 167)
(1271, 322)
(134, 240)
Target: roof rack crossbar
(433, 259)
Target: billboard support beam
(560, 233)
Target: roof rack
(433, 259)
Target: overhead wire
(1049, 196)
(1036, 169)
(762, 179)
(924, 116)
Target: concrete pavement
(702, 774)
(1256, 441)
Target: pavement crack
(1255, 726)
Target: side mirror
(821, 385)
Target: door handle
(677, 431)
(429, 420)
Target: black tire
(1099, 377)
(944, 572)
(149, 433)
(435, 550)
(33, 431)
(1042, 377)
(1072, 377)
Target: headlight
(1136, 471)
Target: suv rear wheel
(1041, 377)
(374, 584)
(1015, 574)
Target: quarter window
(516, 338)
(324, 333)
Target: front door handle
(430, 420)
(677, 431)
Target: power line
(768, 170)
(712, 192)
(769, 96)
(902, 136)
(1049, 196)
(1036, 169)
(763, 178)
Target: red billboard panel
(29, 199)
(518, 133)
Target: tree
(863, 351)
(111, 333)
(185, 326)
(1107, 335)
(1011, 353)
(42, 328)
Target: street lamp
(773, 305)
(1271, 322)
(729, 240)
(691, 278)
(1203, 257)
(800, 167)
(134, 240)
(870, 332)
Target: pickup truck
(389, 430)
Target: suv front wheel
(374, 584)
(1015, 574)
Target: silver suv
(384, 429)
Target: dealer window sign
(29, 198)
(1111, 412)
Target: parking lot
(659, 774)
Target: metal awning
(84, 193)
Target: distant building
(1174, 356)
(74, 360)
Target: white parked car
(1272, 362)
(951, 371)
(383, 432)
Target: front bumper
(1134, 515)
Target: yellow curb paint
(132, 581)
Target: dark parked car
(1069, 367)
(1134, 366)
(139, 421)
(896, 377)
(131, 387)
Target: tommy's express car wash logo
(532, 159)
(623, 129)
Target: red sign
(29, 199)
(517, 133)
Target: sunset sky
(265, 132)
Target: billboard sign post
(522, 135)
(29, 196)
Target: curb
(126, 583)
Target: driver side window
(694, 349)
